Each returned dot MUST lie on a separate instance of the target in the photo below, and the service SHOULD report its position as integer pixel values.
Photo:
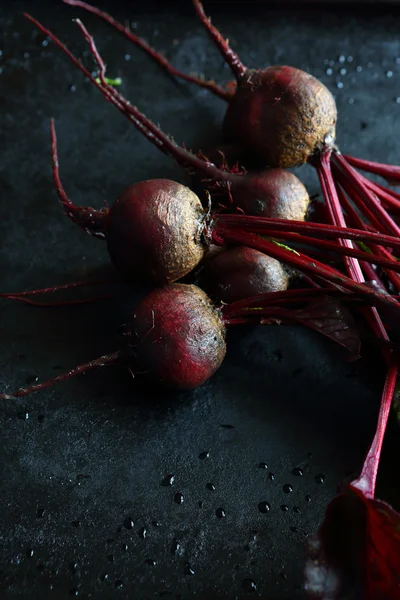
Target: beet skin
(177, 336)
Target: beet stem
(388, 172)
(230, 57)
(337, 218)
(159, 58)
(367, 480)
(379, 250)
(91, 220)
(264, 225)
(367, 197)
(386, 196)
(102, 361)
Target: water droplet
(350, 59)
(370, 65)
(104, 577)
(29, 553)
(397, 100)
(329, 71)
(156, 523)
(176, 548)
(128, 523)
(74, 566)
(264, 507)
(74, 592)
(359, 69)
(211, 487)
(287, 488)
(249, 585)
(320, 478)
(40, 513)
(340, 85)
(110, 558)
(308, 498)
(151, 562)
(298, 472)
(204, 455)
(221, 514)
(189, 570)
(284, 507)
(72, 88)
(143, 533)
(343, 71)
(168, 480)
(30, 379)
(351, 100)
(263, 465)
(119, 584)
(75, 523)
(124, 547)
(342, 59)
(24, 416)
(294, 529)
(45, 43)
(227, 426)
(271, 476)
(389, 74)
(283, 576)
(296, 510)
(127, 57)
(178, 498)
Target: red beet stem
(337, 218)
(102, 361)
(309, 266)
(335, 211)
(59, 303)
(367, 480)
(91, 220)
(157, 56)
(264, 225)
(379, 250)
(349, 252)
(367, 197)
(388, 172)
(387, 197)
(230, 57)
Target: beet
(282, 114)
(154, 229)
(242, 272)
(178, 336)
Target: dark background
(78, 460)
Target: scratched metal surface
(86, 508)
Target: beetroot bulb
(241, 272)
(176, 335)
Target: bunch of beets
(246, 241)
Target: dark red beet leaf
(356, 553)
